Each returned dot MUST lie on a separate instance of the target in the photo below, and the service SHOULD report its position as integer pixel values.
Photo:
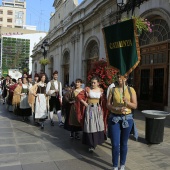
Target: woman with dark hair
(24, 106)
(120, 104)
(37, 97)
(71, 122)
(11, 89)
(93, 128)
(20, 99)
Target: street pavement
(24, 146)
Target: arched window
(92, 54)
(160, 32)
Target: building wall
(12, 14)
(83, 26)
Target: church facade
(76, 40)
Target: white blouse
(94, 95)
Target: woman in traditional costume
(93, 128)
(37, 97)
(21, 94)
(72, 122)
(16, 98)
(11, 89)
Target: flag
(122, 46)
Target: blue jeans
(119, 139)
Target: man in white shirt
(54, 90)
(108, 89)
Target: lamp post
(120, 6)
(127, 5)
(44, 49)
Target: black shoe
(26, 119)
(52, 123)
(42, 126)
(77, 137)
(71, 135)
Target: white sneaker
(61, 124)
(122, 167)
(91, 150)
(115, 168)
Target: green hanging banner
(122, 46)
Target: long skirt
(24, 106)
(71, 122)
(40, 107)
(93, 132)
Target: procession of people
(92, 111)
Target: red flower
(101, 70)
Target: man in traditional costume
(54, 90)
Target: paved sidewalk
(24, 146)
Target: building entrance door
(153, 85)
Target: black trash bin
(154, 130)
(154, 125)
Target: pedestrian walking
(72, 122)
(5, 82)
(93, 128)
(38, 100)
(20, 100)
(120, 104)
(54, 90)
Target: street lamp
(127, 5)
(44, 49)
(120, 6)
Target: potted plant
(142, 24)
(44, 61)
(25, 70)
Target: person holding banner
(120, 104)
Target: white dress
(41, 103)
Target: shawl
(31, 96)
(16, 96)
(80, 108)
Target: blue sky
(38, 13)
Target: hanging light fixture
(121, 3)
(128, 5)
